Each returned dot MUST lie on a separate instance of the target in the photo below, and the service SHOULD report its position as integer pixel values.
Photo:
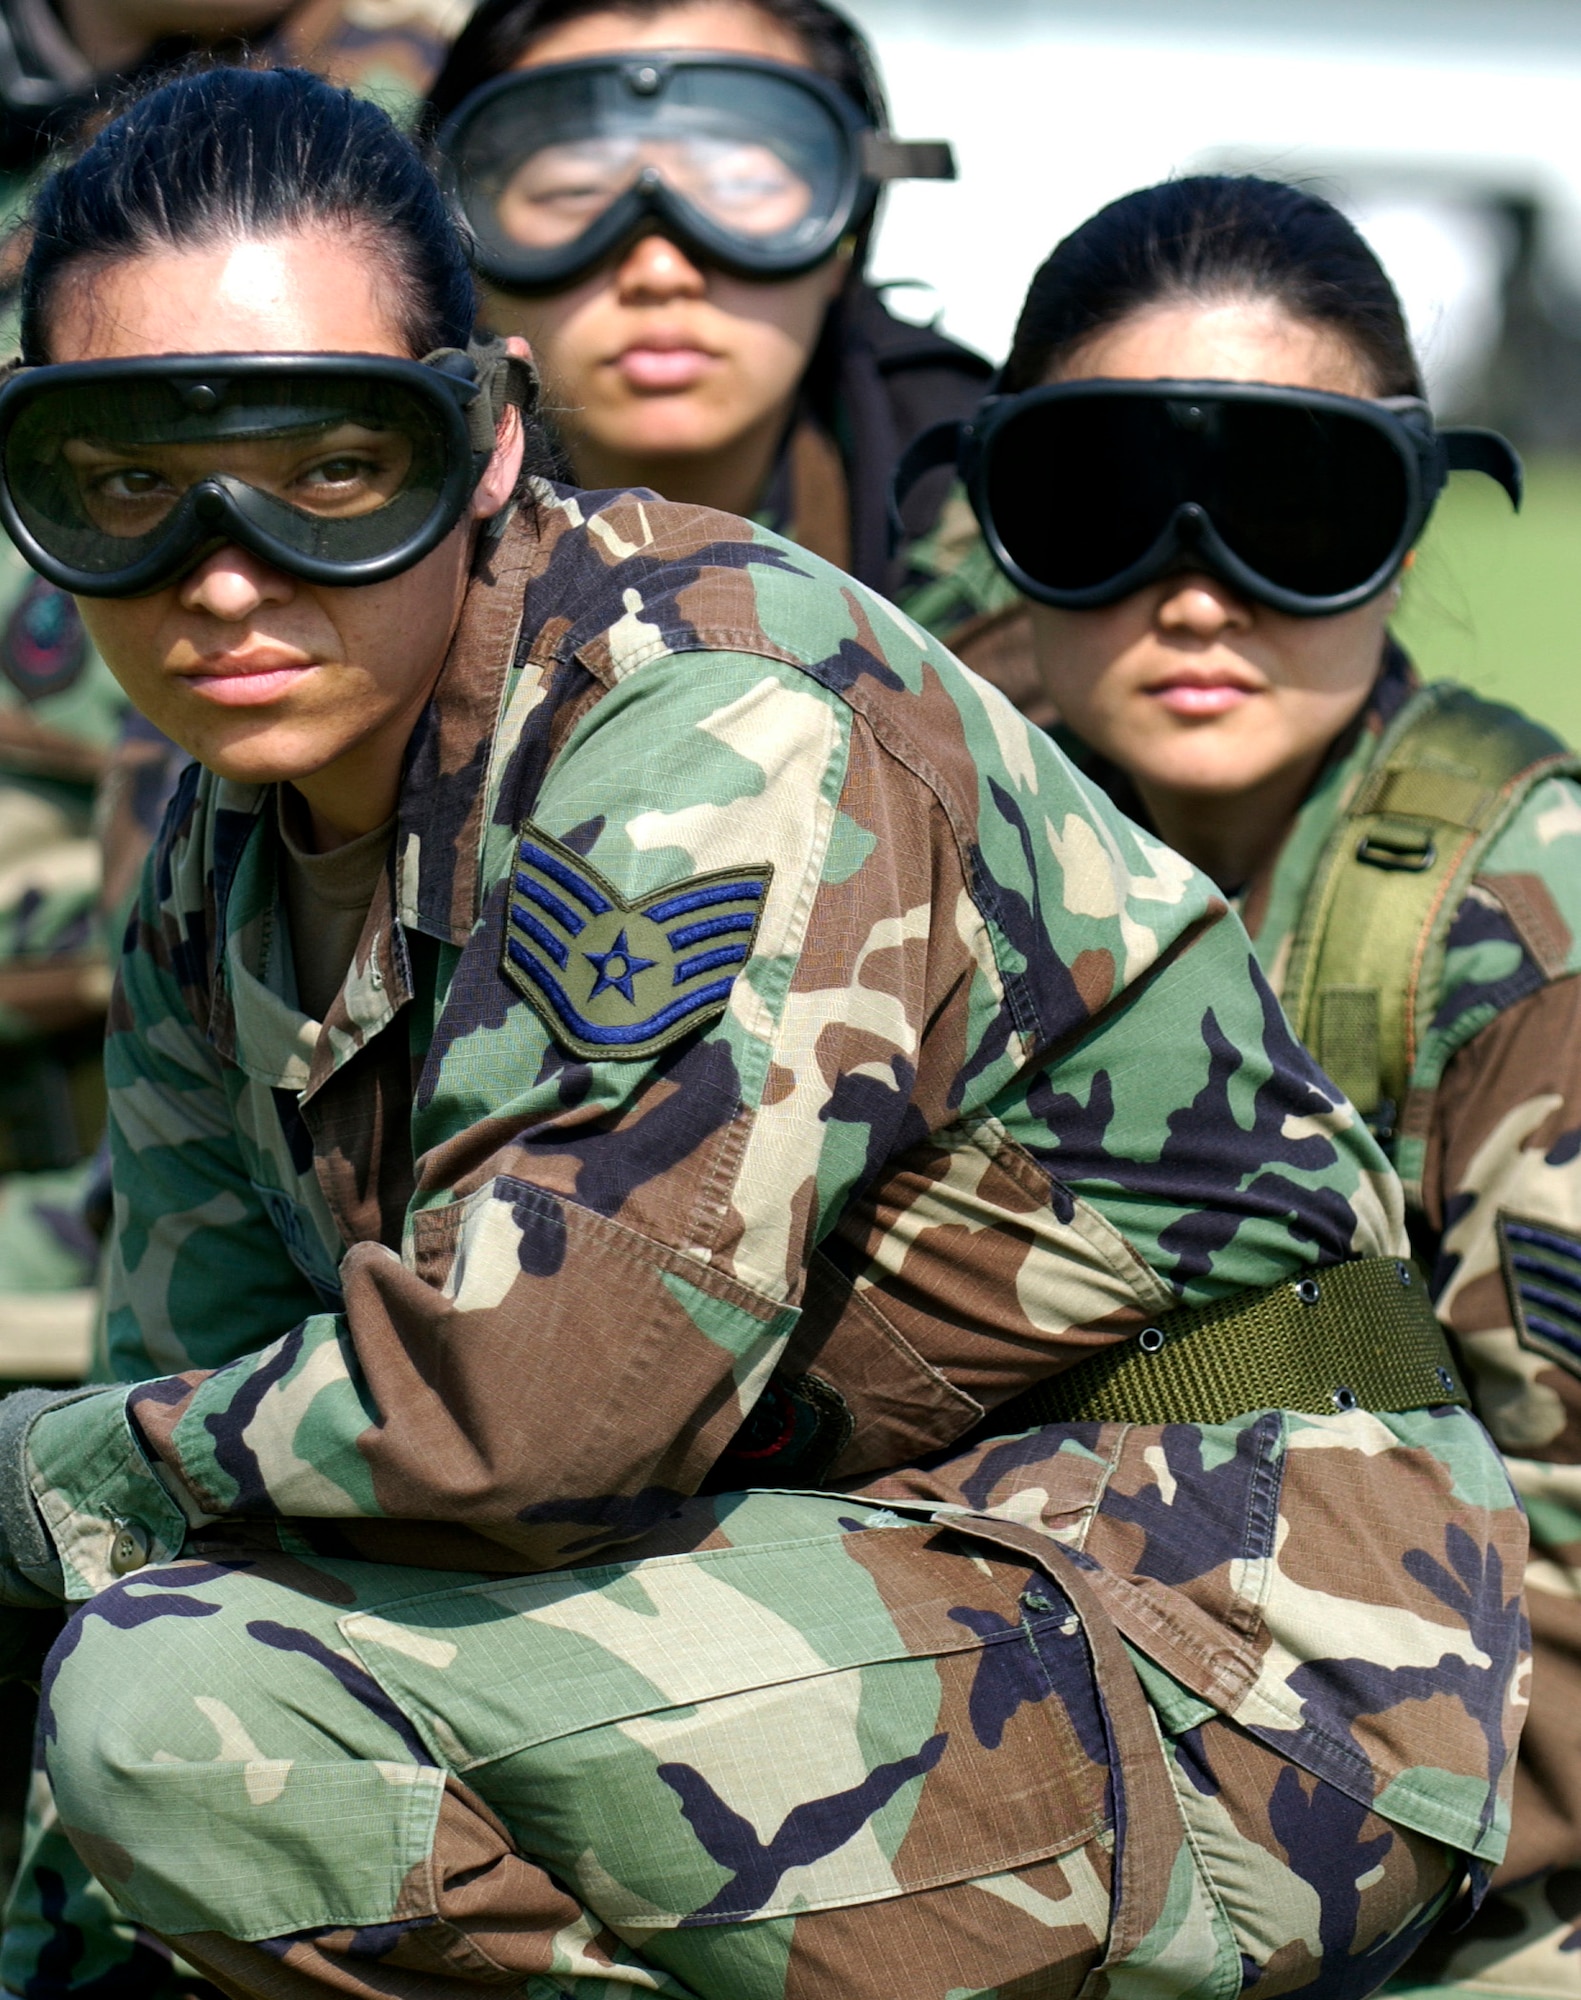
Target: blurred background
(1449, 129)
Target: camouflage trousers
(798, 1748)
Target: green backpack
(1367, 956)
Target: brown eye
(130, 482)
(341, 471)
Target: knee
(209, 1745)
(114, 1690)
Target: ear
(498, 483)
(838, 269)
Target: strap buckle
(1398, 848)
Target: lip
(1191, 694)
(663, 360)
(247, 680)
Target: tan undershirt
(326, 899)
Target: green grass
(1495, 597)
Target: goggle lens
(559, 192)
(1315, 501)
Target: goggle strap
(1468, 449)
(939, 445)
(503, 380)
(886, 158)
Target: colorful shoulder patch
(43, 647)
(613, 978)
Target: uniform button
(129, 1548)
(1038, 1600)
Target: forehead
(1236, 340)
(720, 27)
(301, 293)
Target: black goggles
(758, 167)
(117, 477)
(1305, 501)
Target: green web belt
(1351, 1336)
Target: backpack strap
(1367, 957)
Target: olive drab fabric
(427, 1300)
(1367, 957)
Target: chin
(680, 437)
(1211, 777)
(258, 760)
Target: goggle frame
(1190, 538)
(209, 515)
(868, 159)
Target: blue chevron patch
(1542, 1274)
(612, 977)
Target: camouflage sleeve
(1502, 1182)
(605, 1257)
(1501, 1172)
(1504, 1185)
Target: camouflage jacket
(957, 590)
(764, 1055)
(1499, 1227)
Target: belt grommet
(1402, 1271)
(1446, 1381)
(1343, 1398)
(1150, 1339)
(1309, 1291)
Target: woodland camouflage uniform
(1494, 1155)
(763, 1057)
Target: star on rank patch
(622, 979)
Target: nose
(231, 584)
(1199, 606)
(655, 270)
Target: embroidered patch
(1542, 1273)
(43, 648)
(613, 978)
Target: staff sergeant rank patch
(612, 978)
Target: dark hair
(227, 154)
(501, 31)
(1214, 237)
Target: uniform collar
(449, 780)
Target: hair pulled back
(227, 155)
(1208, 239)
(502, 31)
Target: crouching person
(763, 1369)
